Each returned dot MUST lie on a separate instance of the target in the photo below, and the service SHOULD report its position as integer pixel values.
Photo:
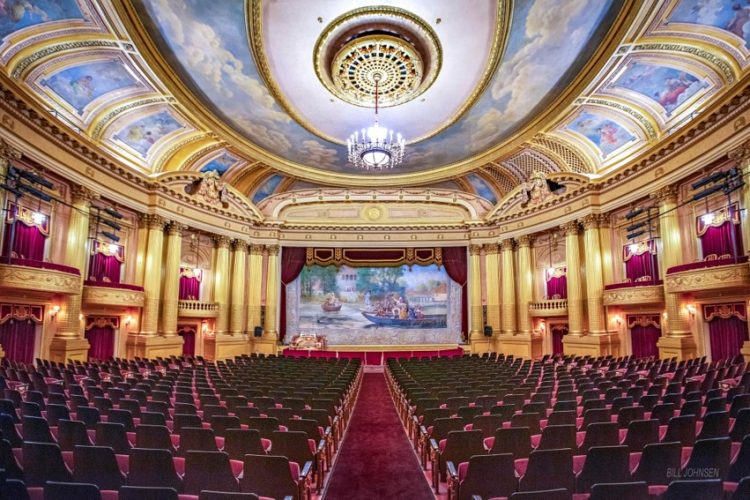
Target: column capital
(176, 229)
(605, 221)
(256, 249)
(82, 195)
(591, 221)
(475, 249)
(152, 221)
(741, 154)
(239, 245)
(491, 248)
(272, 249)
(667, 194)
(7, 153)
(507, 244)
(570, 228)
(221, 241)
(525, 241)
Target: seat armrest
(306, 470)
(434, 445)
(290, 497)
(327, 432)
(423, 430)
(451, 469)
(321, 445)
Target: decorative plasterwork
(512, 205)
(18, 70)
(104, 296)
(714, 278)
(39, 280)
(634, 296)
(548, 308)
(101, 123)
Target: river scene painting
(375, 305)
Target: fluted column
(141, 249)
(669, 225)
(508, 292)
(221, 284)
(271, 327)
(237, 311)
(741, 155)
(594, 276)
(575, 290)
(605, 244)
(152, 278)
(68, 319)
(525, 283)
(254, 282)
(492, 283)
(476, 323)
(171, 288)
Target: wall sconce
(664, 315)
(542, 325)
(618, 319)
(53, 312)
(128, 320)
(691, 310)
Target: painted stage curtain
(727, 329)
(644, 334)
(455, 262)
(101, 342)
(17, 338)
(557, 284)
(292, 263)
(188, 336)
(558, 332)
(104, 268)
(28, 241)
(190, 283)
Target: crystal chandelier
(375, 148)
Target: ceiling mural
(546, 46)
(535, 93)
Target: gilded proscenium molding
(499, 41)
(105, 296)
(39, 280)
(713, 278)
(639, 295)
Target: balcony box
(112, 294)
(197, 309)
(710, 275)
(634, 293)
(39, 277)
(545, 308)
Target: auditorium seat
(72, 433)
(209, 470)
(275, 476)
(604, 464)
(54, 490)
(114, 436)
(44, 462)
(149, 467)
(484, 475)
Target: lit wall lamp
(691, 310)
(128, 321)
(53, 312)
(617, 319)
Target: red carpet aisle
(376, 459)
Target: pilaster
(254, 291)
(152, 275)
(508, 290)
(525, 282)
(594, 280)
(575, 290)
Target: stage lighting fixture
(708, 192)
(112, 224)
(708, 180)
(35, 192)
(633, 227)
(635, 234)
(111, 236)
(634, 213)
(11, 189)
(113, 213)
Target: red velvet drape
(28, 241)
(558, 332)
(644, 340)
(101, 342)
(720, 241)
(455, 262)
(104, 266)
(557, 288)
(292, 263)
(727, 336)
(190, 288)
(642, 265)
(188, 336)
(17, 338)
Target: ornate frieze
(105, 296)
(714, 278)
(634, 295)
(39, 280)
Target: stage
(378, 355)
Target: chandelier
(375, 148)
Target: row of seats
(520, 425)
(263, 424)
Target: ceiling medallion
(389, 43)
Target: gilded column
(221, 284)
(254, 291)
(525, 283)
(669, 228)
(152, 275)
(272, 293)
(575, 290)
(141, 249)
(7, 153)
(741, 155)
(69, 324)
(492, 282)
(238, 308)
(594, 276)
(508, 292)
(171, 289)
(605, 245)
(476, 323)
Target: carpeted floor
(376, 460)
